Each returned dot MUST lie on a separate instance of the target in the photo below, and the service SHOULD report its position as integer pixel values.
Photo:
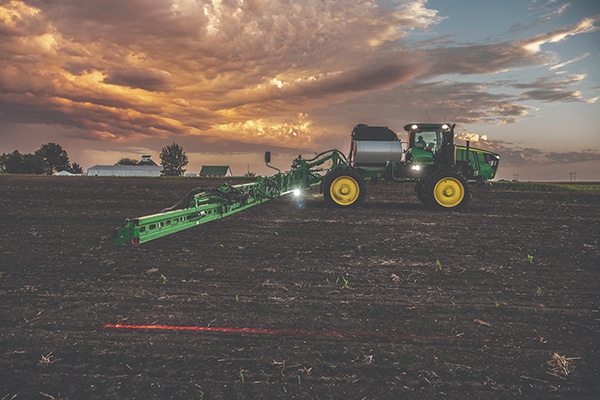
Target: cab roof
(424, 126)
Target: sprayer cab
(430, 144)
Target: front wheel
(447, 190)
(421, 193)
(344, 188)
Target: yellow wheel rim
(449, 192)
(344, 190)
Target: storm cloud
(257, 71)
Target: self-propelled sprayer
(440, 169)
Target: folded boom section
(202, 205)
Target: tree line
(51, 157)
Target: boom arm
(202, 205)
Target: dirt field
(296, 300)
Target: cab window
(429, 141)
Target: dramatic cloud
(274, 72)
(549, 89)
(147, 79)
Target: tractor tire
(421, 192)
(447, 190)
(344, 187)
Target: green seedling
(539, 290)
(530, 258)
(299, 380)
(438, 264)
(237, 298)
(164, 278)
(242, 377)
(346, 281)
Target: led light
(414, 127)
(297, 192)
(416, 167)
(445, 126)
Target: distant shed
(125, 170)
(215, 170)
(66, 173)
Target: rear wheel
(447, 190)
(344, 188)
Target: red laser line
(282, 332)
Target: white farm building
(124, 170)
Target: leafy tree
(56, 158)
(33, 164)
(11, 162)
(173, 160)
(3, 159)
(128, 161)
(75, 169)
(17, 163)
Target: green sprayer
(441, 170)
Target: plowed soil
(293, 299)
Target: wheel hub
(449, 192)
(344, 190)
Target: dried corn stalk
(560, 366)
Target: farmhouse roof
(147, 160)
(215, 170)
(127, 167)
(124, 170)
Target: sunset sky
(230, 79)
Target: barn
(215, 170)
(125, 170)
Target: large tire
(447, 190)
(343, 187)
(421, 192)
